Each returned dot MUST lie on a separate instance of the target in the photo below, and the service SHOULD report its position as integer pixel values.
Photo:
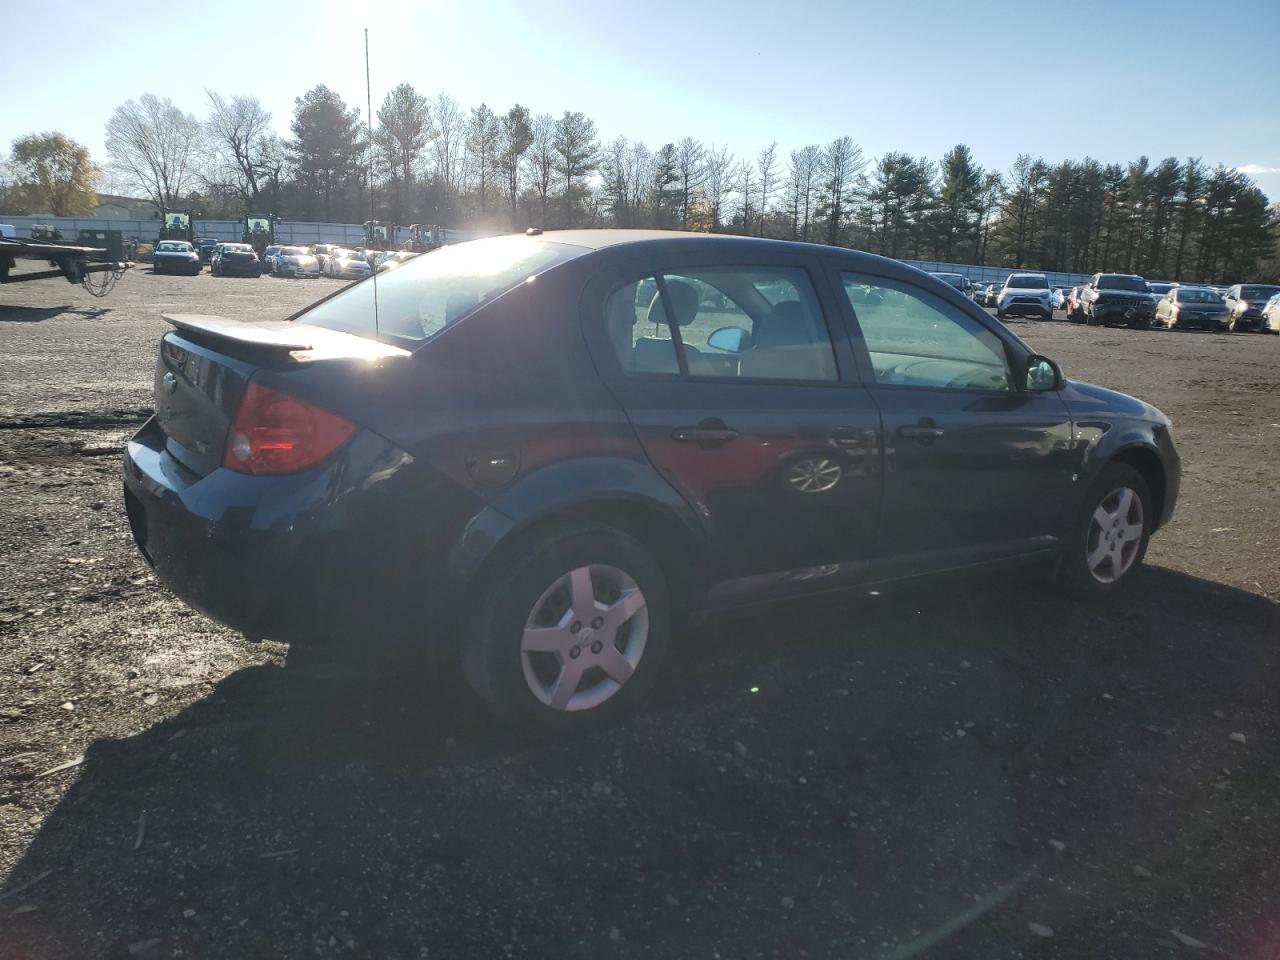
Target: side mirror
(730, 339)
(1042, 374)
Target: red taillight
(276, 432)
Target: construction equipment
(379, 235)
(90, 267)
(178, 226)
(44, 233)
(259, 233)
(424, 237)
(111, 241)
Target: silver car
(295, 262)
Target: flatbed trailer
(86, 266)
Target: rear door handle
(701, 434)
(922, 433)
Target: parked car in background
(1186, 307)
(175, 256)
(269, 257)
(205, 247)
(294, 262)
(979, 293)
(1057, 297)
(1160, 287)
(992, 295)
(322, 251)
(235, 260)
(1073, 305)
(541, 501)
(957, 280)
(342, 263)
(1118, 299)
(1271, 315)
(392, 259)
(1245, 302)
(1025, 295)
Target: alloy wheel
(1115, 535)
(814, 475)
(584, 638)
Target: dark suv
(1118, 299)
(539, 465)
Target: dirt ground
(977, 770)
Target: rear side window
(758, 323)
(638, 329)
(439, 288)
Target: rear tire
(1108, 541)
(569, 631)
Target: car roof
(602, 239)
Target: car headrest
(684, 299)
(782, 326)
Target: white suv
(1025, 294)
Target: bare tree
(542, 160)
(767, 167)
(718, 183)
(745, 176)
(842, 166)
(243, 144)
(447, 130)
(691, 169)
(802, 175)
(153, 146)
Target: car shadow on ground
(18, 314)
(977, 763)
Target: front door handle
(711, 433)
(923, 433)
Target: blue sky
(1170, 78)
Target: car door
(975, 468)
(746, 404)
(1232, 298)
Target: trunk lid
(205, 365)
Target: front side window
(917, 340)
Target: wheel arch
(571, 494)
(1144, 458)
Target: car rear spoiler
(298, 341)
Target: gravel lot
(983, 767)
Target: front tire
(1111, 533)
(569, 631)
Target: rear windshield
(1160, 287)
(439, 288)
(292, 252)
(1110, 281)
(1189, 295)
(1028, 283)
(237, 247)
(172, 246)
(1258, 292)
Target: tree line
(427, 159)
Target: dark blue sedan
(538, 452)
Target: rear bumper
(330, 551)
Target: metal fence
(981, 274)
(287, 231)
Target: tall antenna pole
(368, 96)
